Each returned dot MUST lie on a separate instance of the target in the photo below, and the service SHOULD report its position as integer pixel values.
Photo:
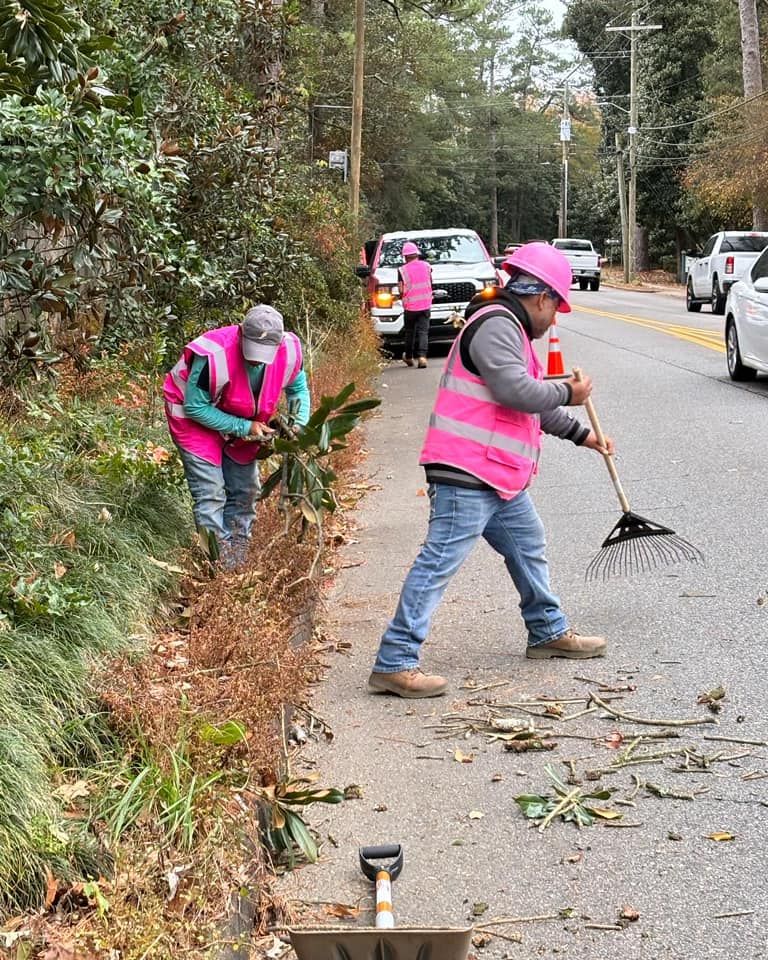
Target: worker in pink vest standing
(416, 296)
(219, 400)
(480, 456)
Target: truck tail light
(729, 264)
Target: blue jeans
(224, 501)
(458, 518)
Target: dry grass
(644, 278)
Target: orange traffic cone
(555, 365)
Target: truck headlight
(385, 296)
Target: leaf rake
(635, 544)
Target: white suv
(461, 267)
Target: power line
(710, 116)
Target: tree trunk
(642, 257)
(753, 78)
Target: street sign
(337, 160)
(565, 130)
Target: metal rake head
(636, 545)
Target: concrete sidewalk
(448, 795)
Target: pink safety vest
(417, 285)
(230, 391)
(469, 430)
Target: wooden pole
(357, 111)
(622, 207)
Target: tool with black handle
(382, 865)
(635, 544)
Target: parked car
(461, 267)
(726, 258)
(585, 261)
(746, 323)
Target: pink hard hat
(542, 261)
(410, 249)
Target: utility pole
(633, 30)
(494, 237)
(565, 139)
(752, 75)
(357, 111)
(622, 207)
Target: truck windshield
(582, 245)
(448, 249)
(752, 244)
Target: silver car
(746, 323)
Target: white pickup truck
(726, 258)
(585, 261)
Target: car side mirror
(497, 261)
(362, 270)
(761, 284)
(692, 253)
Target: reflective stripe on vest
(470, 431)
(230, 390)
(417, 285)
(487, 437)
(217, 363)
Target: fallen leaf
(605, 813)
(164, 566)
(476, 815)
(66, 539)
(353, 792)
(342, 910)
(721, 835)
(614, 740)
(575, 858)
(460, 757)
(496, 778)
(712, 698)
(478, 909)
(481, 940)
(72, 791)
(629, 913)
(554, 709)
(59, 570)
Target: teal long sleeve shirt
(198, 405)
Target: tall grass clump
(91, 508)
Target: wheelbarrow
(382, 865)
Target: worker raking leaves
(481, 455)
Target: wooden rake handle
(592, 414)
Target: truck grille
(456, 292)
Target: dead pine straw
(243, 649)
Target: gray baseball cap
(262, 333)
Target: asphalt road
(691, 454)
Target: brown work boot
(408, 361)
(412, 684)
(571, 645)
(422, 363)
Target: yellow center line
(710, 339)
